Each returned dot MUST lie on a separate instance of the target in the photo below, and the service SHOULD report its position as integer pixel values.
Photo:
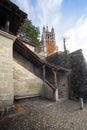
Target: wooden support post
(81, 104)
(56, 95)
(55, 79)
(7, 26)
(43, 89)
(44, 72)
(56, 86)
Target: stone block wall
(62, 86)
(62, 83)
(77, 79)
(25, 82)
(47, 92)
(6, 69)
(77, 76)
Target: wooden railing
(50, 85)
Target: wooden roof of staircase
(10, 11)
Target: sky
(68, 17)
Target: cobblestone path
(47, 115)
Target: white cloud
(78, 36)
(48, 12)
(26, 7)
(44, 12)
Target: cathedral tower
(48, 41)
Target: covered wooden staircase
(45, 71)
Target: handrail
(50, 84)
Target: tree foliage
(30, 33)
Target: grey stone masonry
(77, 79)
(6, 69)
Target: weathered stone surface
(25, 82)
(6, 69)
(63, 91)
(78, 77)
(47, 92)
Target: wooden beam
(51, 86)
(44, 72)
(56, 97)
(55, 78)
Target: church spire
(47, 28)
(43, 28)
(52, 30)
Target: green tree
(30, 33)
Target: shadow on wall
(26, 64)
(47, 92)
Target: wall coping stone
(10, 36)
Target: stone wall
(62, 86)
(78, 77)
(47, 92)
(62, 83)
(25, 82)
(76, 64)
(6, 69)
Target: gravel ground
(42, 114)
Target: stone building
(22, 73)
(48, 42)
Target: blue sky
(68, 17)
